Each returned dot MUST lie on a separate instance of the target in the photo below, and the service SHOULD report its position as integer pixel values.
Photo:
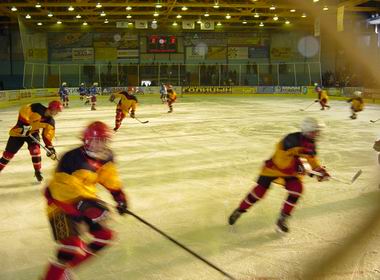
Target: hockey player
(72, 199)
(322, 97)
(171, 97)
(92, 95)
(31, 118)
(163, 93)
(126, 105)
(286, 166)
(64, 94)
(82, 91)
(357, 104)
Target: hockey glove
(324, 175)
(25, 130)
(52, 153)
(112, 98)
(119, 197)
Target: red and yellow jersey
(78, 174)
(127, 102)
(323, 95)
(34, 115)
(171, 95)
(286, 159)
(357, 104)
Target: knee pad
(102, 238)
(34, 149)
(8, 155)
(70, 248)
(294, 187)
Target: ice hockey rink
(186, 172)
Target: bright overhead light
(206, 14)
(128, 8)
(28, 16)
(325, 8)
(102, 14)
(78, 16)
(287, 22)
(315, 1)
(219, 23)
(98, 5)
(39, 23)
(13, 9)
(158, 6)
(71, 8)
(293, 10)
(244, 22)
(216, 6)
(130, 23)
(184, 8)
(106, 21)
(59, 22)
(178, 16)
(85, 23)
(228, 16)
(154, 21)
(261, 24)
(38, 5)
(199, 21)
(303, 15)
(129, 16)
(175, 23)
(272, 8)
(275, 18)
(156, 14)
(50, 14)
(256, 15)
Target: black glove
(52, 153)
(119, 197)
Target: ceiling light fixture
(158, 5)
(272, 8)
(102, 14)
(50, 14)
(303, 15)
(106, 21)
(228, 16)
(184, 8)
(244, 22)
(256, 15)
(128, 8)
(206, 14)
(59, 22)
(85, 23)
(287, 22)
(178, 16)
(325, 8)
(28, 16)
(293, 10)
(175, 23)
(98, 5)
(156, 14)
(261, 24)
(38, 5)
(275, 18)
(13, 9)
(71, 8)
(78, 16)
(129, 16)
(219, 23)
(39, 23)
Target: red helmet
(55, 106)
(95, 139)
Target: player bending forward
(171, 97)
(72, 200)
(286, 165)
(357, 104)
(323, 98)
(31, 118)
(126, 105)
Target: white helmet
(95, 84)
(82, 84)
(310, 124)
(357, 93)
(64, 84)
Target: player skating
(72, 200)
(357, 104)
(93, 91)
(286, 167)
(82, 91)
(322, 97)
(126, 105)
(64, 94)
(31, 118)
(171, 97)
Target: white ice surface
(186, 172)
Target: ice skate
(38, 176)
(235, 216)
(282, 225)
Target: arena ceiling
(242, 14)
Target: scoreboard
(162, 44)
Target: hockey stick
(43, 146)
(354, 178)
(180, 245)
(374, 121)
(140, 121)
(304, 109)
